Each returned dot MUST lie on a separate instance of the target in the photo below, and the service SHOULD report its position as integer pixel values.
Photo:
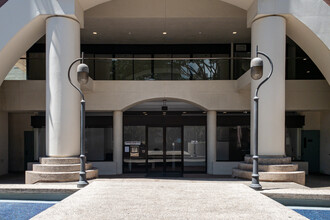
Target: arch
(243, 4)
(24, 32)
(134, 103)
(19, 44)
(313, 46)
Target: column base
(271, 169)
(52, 169)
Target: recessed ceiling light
(164, 33)
(94, 33)
(234, 32)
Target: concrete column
(269, 34)
(118, 140)
(211, 140)
(62, 100)
(3, 143)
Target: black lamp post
(256, 73)
(82, 76)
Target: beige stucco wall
(312, 120)
(301, 95)
(208, 95)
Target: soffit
(143, 21)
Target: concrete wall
(325, 143)
(3, 143)
(106, 168)
(301, 95)
(224, 168)
(23, 95)
(312, 120)
(18, 123)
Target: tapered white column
(269, 34)
(211, 140)
(62, 100)
(118, 140)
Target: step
(59, 167)
(34, 177)
(295, 176)
(59, 160)
(270, 168)
(268, 160)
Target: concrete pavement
(167, 199)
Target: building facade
(170, 90)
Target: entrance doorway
(165, 151)
(164, 138)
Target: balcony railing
(221, 68)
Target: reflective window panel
(99, 144)
(135, 150)
(233, 143)
(194, 149)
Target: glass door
(174, 150)
(155, 151)
(165, 151)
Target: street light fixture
(82, 76)
(256, 73)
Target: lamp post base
(256, 186)
(82, 184)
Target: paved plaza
(168, 199)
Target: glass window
(181, 67)
(36, 66)
(220, 67)
(163, 67)
(18, 72)
(298, 64)
(142, 68)
(233, 143)
(135, 150)
(99, 144)
(292, 143)
(90, 64)
(103, 68)
(202, 68)
(241, 63)
(124, 67)
(194, 149)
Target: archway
(164, 138)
